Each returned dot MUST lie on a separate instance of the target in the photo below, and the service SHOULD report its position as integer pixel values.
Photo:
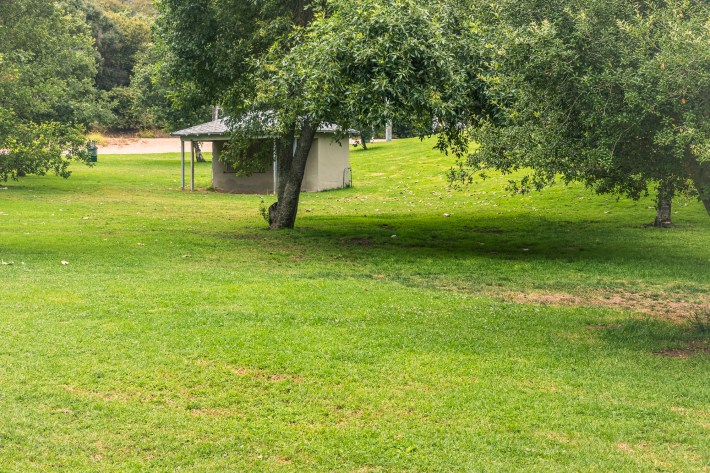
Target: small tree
(300, 64)
(612, 93)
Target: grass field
(545, 332)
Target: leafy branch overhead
(615, 94)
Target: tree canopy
(47, 67)
(612, 93)
(296, 65)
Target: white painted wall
(325, 167)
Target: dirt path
(146, 146)
(122, 145)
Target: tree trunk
(198, 153)
(284, 154)
(663, 205)
(284, 213)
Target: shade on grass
(182, 334)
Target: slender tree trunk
(284, 153)
(284, 214)
(198, 153)
(663, 205)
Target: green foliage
(119, 34)
(371, 62)
(159, 101)
(38, 148)
(47, 63)
(47, 98)
(608, 92)
(285, 68)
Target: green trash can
(93, 152)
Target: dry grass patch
(655, 305)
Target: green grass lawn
(544, 332)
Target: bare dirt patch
(657, 305)
(359, 242)
(490, 230)
(693, 348)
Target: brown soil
(133, 145)
(659, 305)
(359, 242)
(692, 348)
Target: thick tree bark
(284, 213)
(663, 205)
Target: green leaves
(32, 148)
(611, 93)
(47, 97)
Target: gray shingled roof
(216, 127)
(219, 128)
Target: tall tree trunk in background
(284, 213)
(198, 152)
(663, 205)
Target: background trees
(612, 93)
(47, 68)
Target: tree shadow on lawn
(660, 337)
(521, 257)
(521, 237)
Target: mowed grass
(547, 332)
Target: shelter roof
(220, 128)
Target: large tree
(613, 93)
(47, 67)
(289, 67)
